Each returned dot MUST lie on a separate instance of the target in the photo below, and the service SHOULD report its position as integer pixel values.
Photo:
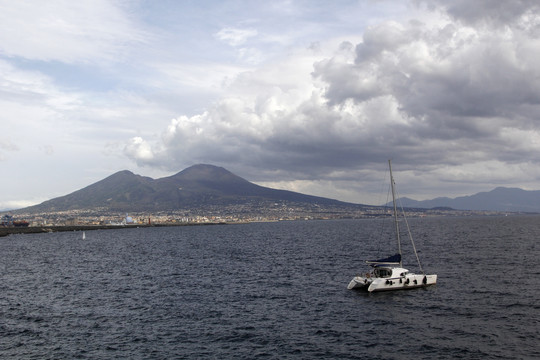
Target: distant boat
(83, 235)
(388, 273)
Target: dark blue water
(270, 290)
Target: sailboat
(388, 273)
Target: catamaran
(388, 273)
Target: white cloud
(18, 204)
(139, 149)
(235, 36)
(68, 31)
(308, 95)
(32, 105)
(203, 78)
(6, 147)
(427, 95)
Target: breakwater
(5, 231)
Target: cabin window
(383, 272)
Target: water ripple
(270, 291)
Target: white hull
(409, 281)
(359, 282)
(388, 273)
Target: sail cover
(391, 260)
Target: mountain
(197, 186)
(498, 199)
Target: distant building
(70, 222)
(7, 220)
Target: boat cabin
(387, 272)
(382, 272)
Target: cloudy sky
(310, 96)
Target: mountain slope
(113, 191)
(498, 199)
(199, 185)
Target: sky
(310, 96)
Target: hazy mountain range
(206, 185)
(498, 199)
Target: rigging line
(381, 191)
(384, 210)
(409, 231)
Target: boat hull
(388, 273)
(410, 281)
(359, 282)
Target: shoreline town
(17, 222)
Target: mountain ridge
(195, 186)
(204, 185)
(499, 199)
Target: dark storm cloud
(451, 84)
(492, 12)
(440, 98)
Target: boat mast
(395, 212)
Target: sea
(273, 290)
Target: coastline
(5, 231)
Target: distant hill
(196, 186)
(498, 199)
